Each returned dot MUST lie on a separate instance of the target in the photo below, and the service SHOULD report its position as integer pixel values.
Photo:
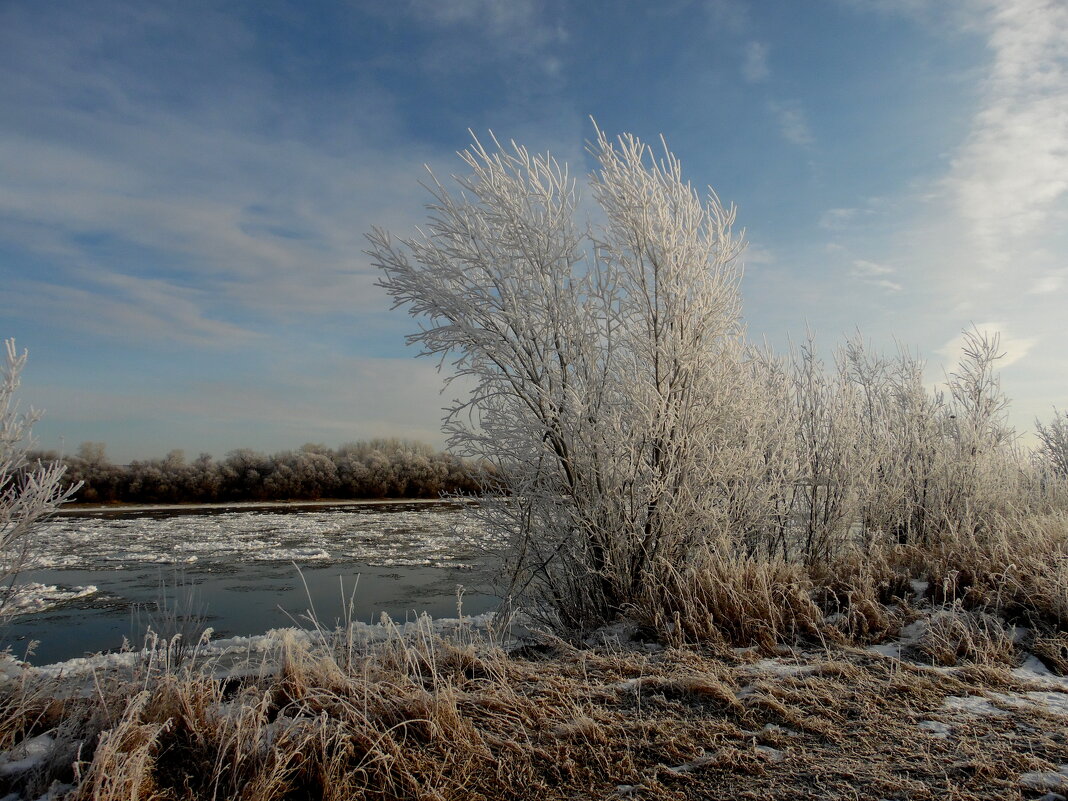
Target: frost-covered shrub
(1053, 449)
(611, 383)
(29, 492)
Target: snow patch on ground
(770, 754)
(1055, 702)
(972, 705)
(27, 755)
(910, 636)
(1050, 781)
(778, 668)
(935, 728)
(1034, 670)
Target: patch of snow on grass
(935, 728)
(700, 762)
(771, 754)
(777, 668)
(910, 635)
(27, 755)
(1034, 670)
(1050, 781)
(972, 705)
(1055, 702)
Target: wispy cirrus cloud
(248, 212)
(755, 66)
(1048, 283)
(522, 33)
(1010, 177)
(792, 121)
(875, 274)
(125, 308)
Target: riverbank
(122, 508)
(426, 713)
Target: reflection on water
(241, 567)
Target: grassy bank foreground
(876, 679)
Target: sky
(185, 187)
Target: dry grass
(741, 601)
(1014, 570)
(954, 635)
(1017, 566)
(731, 600)
(425, 719)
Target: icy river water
(100, 575)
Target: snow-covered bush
(610, 388)
(28, 492)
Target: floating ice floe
(34, 597)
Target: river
(100, 576)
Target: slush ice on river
(105, 575)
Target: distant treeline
(380, 468)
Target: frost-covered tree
(28, 492)
(610, 393)
(1053, 449)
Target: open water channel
(101, 575)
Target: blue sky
(184, 187)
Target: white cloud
(755, 67)
(892, 286)
(875, 274)
(103, 179)
(126, 309)
(869, 269)
(1012, 172)
(793, 122)
(731, 16)
(1014, 347)
(836, 219)
(508, 28)
(1048, 283)
(758, 255)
